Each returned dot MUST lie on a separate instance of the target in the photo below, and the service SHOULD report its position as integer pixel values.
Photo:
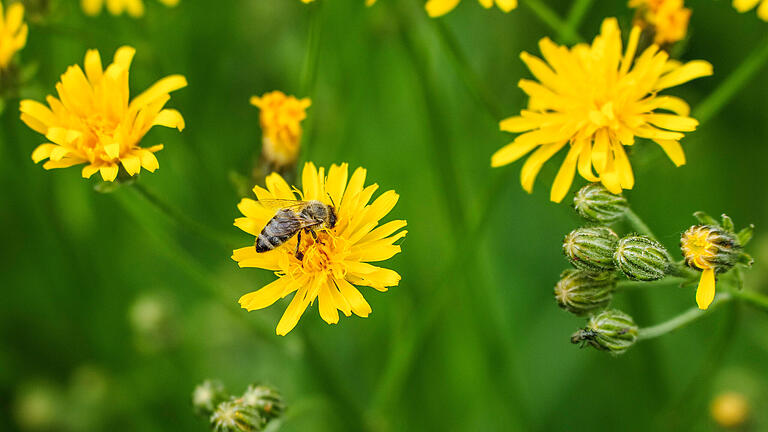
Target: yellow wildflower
(597, 101)
(339, 259)
(94, 122)
(436, 8)
(280, 119)
(668, 19)
(730, 409)
(367, 2)
(13, 32)
(745, 5)
(134, 8)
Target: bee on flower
(94, 122)
(280, 118)
(666, 20)
(595, 100)
(134, 8)
(746, 5)
(13, 33)
(313, 254)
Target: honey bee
(291, 218)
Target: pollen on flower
(94, 121)
(13, 32)
(331, 267)
(595, 100)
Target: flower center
(100, 124)
(324, 255)
(604, 115)
(697, 248)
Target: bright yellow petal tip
(595, 100)
(94, 122)
(330, 268)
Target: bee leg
(314, 234)
(298, 253)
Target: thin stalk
(577, 13)
(667, 281)
(681, 320)
(733, 84)
(564, 33)
(637, 223)
(309, 74)
(753, 298)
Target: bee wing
(276, 204)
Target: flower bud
(580, 292)
(234, 416)
(710, 247)
(595, 203)
(591, 248)
(266, 400)
(610, 330)
(641, 258)
(207, 395)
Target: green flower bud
(580, 292)
(611, 330)
(711, 247)
(207, 396)
(591, 248)
(234, 416)
(267, 400)
(641, 258)
(595, 203)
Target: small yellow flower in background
(338, 260)
(367, 2)
(134, 8)
(746, 5)
(94, 122)
(436, 8)
(668, 19)
(596, 101)
(13, 32)
(280, 119)
(730, 409)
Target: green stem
(309, 70)
(577, 13)
(751, 297)
(667, 281)
(733, 84)
(681, 320)
(565, 34)
(637, 223)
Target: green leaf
(746, 234)
(745, 260)
(727, 223)
(705, 219)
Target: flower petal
(705, 293)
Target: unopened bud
(207, 396)
(595, 203)
(266, 400)
(591, 248)
(710, 247)
(234, 416)
(580, 292)
(610, 330)
(641, 258)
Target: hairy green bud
(266, 400)
(234, 416)
(207, 396)
(611, 330)
(581, 292)
(641, 258)
(595, 203)
(591, 248)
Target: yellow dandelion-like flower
(367, 2)
(280, 119)
(746, 5)
(134, 8)
(333, 263)
(13, 32)
(94, 122)
(596, 100)
(668, 19)
(436, 8)
(700, 252)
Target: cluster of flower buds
(250, 412)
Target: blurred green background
(111, 313)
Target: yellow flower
(745, 5)
(13, 33)
(367, 2)
(339, 259)
(730, 409)
(94, 122)
(668, 19)
(699, 252)
(134, 8)
(436, 8)
(280, 119)
(596, 101)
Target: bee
(292, 218)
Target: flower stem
(681, 320)
(637, 223)
(634, 285)
(576, 14)
(733, 84)
(565, 33)
(309, 70)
